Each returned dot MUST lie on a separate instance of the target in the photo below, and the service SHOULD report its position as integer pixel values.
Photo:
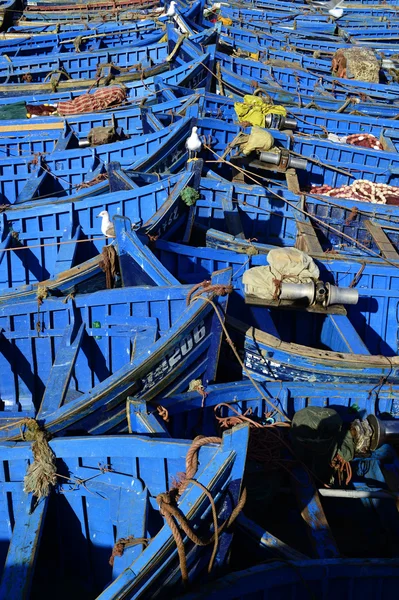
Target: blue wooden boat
(51, 28)
(357, 346)
(94, 11)
(309, 121)
(324, 45)
(87, 65)
(351, 579)
(306, 83)
(312, 122)
(83, 65)
(272, 216)
(288, 523)
(239, 85)
(355, 163)
(272, 56)
(106, 491)
(134, 35)
(86, 71)
(60, 173)
(360, 336)
(192, 75)
(100, 347)
(186, 410)
(41, 241)
(21, 137)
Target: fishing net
(362, 190)
(99, 100)
(102, 135)
(357, 63)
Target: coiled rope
(177, 521)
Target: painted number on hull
(175, 357)
(168, 222)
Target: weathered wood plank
(381, 239)
(307, 239)
(23, 549)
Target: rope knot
(42, 293)
(195, 385)
(123, 543)
(42, 473)
(218, 289)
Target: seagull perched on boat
(107, 227)
(332, 6)
(327, 5)
(336, 12)
(171, 10)
(193, 144)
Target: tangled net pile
(363, 190)
(265, 441)
(364, 140)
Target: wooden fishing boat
(97, 14)
(286, 506)
(192, 74)
(318, 123)
(186, 410)
(89, 5)
(60, 173)
(303, 82)
(39, 242)
(98, 348)
(24, 137)
(85, 71)
(302, 43)
(110, 489)
(355, 162)
(133, 35)
(353, 346)
(376, 166)
(83, 65)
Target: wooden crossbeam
(307, 239)
(382, 241)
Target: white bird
(193, 144)
(171, 10)
(336, 12)
(107, 227)
(327, 5)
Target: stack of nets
(362, 190)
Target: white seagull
(336, 12)
(171, 10)
(331, 4)
(193, 144)
(107, 227)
